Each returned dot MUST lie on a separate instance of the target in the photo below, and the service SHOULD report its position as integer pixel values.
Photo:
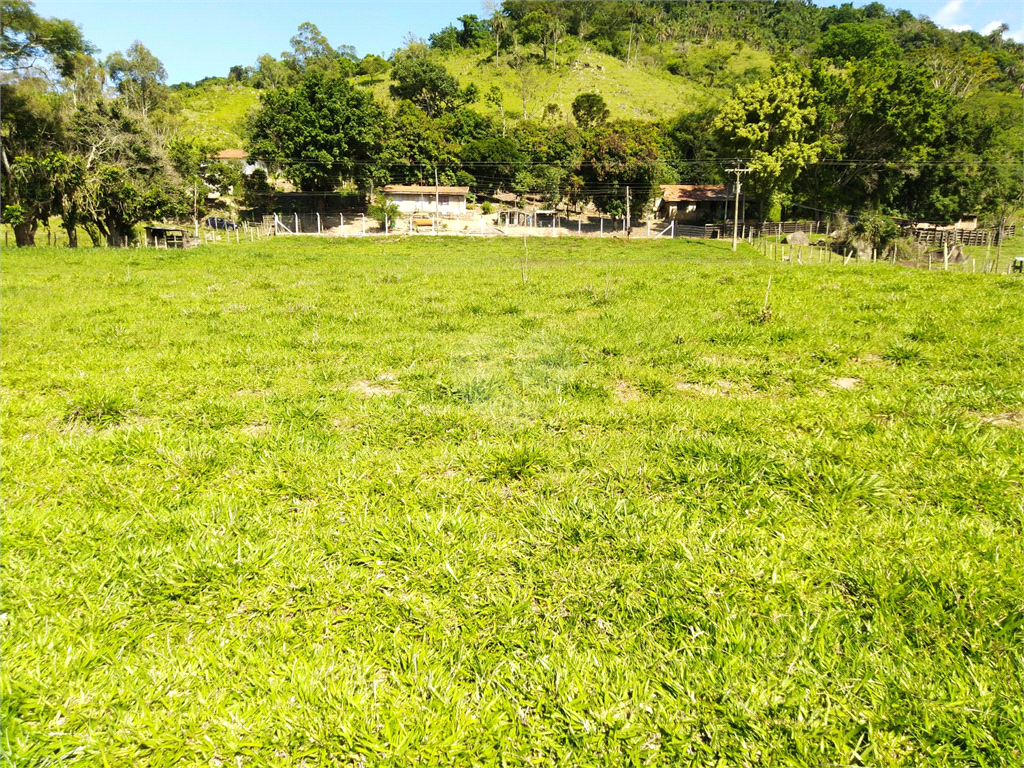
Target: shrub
(677, 67)
(383, 210)
(486, 208)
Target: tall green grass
(323, 502)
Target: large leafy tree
(321, 132)
(769, 127)
(425, 83)
(312, 53)
(493, 161)
(115, 174)
(34, 51)
(620, 155)
(880, 122)
(32, 43)
(271, 73)
(28, 196)
(692, 147)
(474, 31)
(589, 109)
(140, 77)
(414, 148)
(31, 125)
(309, 47)
(99, 167)
(852, 41)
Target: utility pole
(736, 212)
(437, 196)
(195, 205)
(629, 222)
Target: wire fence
(825, 252)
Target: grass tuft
(517, 461)
(97, 409)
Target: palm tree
(498, 25)
(556, 29)
(635, 11)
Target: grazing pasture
(423, 502)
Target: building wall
(704, 212)
(424, 203)
(693, 213)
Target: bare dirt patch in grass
(256, 429)
(1013, 419)
(720, 388)
(626, 392)
(372, 389)
(845, 382)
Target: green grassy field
(308, 503)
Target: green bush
(383, 210)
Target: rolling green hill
(643, 90)
(215, 112)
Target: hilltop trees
(139, 76)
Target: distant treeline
(863, 110)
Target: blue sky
(196, 39)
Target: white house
(241, 158)
(424, 199)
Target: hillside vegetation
(216, 113)
(641, 90)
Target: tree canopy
(320, 132)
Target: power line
(723, 161)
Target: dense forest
(865, 111)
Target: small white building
(240, 158)
(424, 199)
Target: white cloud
(948, 13)
(991, 27)
(1017, 37)
(960, 27)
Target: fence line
(962, 236)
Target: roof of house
(230, 154)
(412, 189)
(693, 193)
